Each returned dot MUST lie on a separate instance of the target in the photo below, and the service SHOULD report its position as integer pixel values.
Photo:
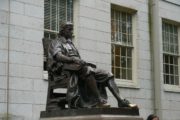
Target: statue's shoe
(126, 103)
(100, 105)
(133, 106)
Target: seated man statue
(86, 86)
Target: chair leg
(48, 96)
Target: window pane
(166, 79)
(129, 63)
(171, 54)
(69, 10)
(46, 14)
(117, 50)
(56, 12)
(129, 74)
(117, 73)
(121, 35)
(123, 51)
(176, 70)
(171, 59)
(170, 69)
(176, 61)
(175, 30)
(124, 74)
(123, 17)
(117, 61)
(124, 27)
(129, 18)
(172, 80)
(170, 40)
(171, 28)
(113, 30)
(176, 80)
(166, 68)
(124, 39)
(62, 11)
(166, 59)
(121, 27)
(123, 62)
(129, 52)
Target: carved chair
(54, 100)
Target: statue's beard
(68, 36)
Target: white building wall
(27, 91)
(170, 97)
(3, 57)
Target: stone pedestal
(96, 117)
(92, 114)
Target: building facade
(137, 40)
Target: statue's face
(68, 31)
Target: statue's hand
(78, 61)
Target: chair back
(46, 42)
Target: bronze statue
(86, 83)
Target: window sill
(171, 88)
(127, 84)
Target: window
(170, 53)
(121, 44)
(56, 12)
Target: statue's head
(66, 30)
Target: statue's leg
(92, 85)
(115, 91)
(87, 74)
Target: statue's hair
(63, 26)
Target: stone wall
(3, 57)
(22, 23)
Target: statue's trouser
(92, 85)
(87, 74)
(115, 91)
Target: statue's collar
(64, 40)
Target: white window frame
(169, 87)
(134, 83)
